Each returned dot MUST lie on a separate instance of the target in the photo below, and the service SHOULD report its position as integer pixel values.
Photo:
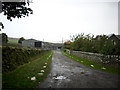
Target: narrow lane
(66, 73)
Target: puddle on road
(59, 77)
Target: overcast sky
(53, 20)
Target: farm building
(115, 39)
(57, 46)
(32, 43)
(52, 46)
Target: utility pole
(62, 40)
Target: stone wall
(106, 59)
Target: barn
(32, 43)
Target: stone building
(115, 39)
(32, 43)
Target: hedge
(12, 57)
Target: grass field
(13, 41)
(93, 64)
(29, 75)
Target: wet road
(66, 73)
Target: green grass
(13, 43)
(88, 63)
(21, 77)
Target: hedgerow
(12, 57)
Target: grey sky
(53, 20)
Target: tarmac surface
(66, 73)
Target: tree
(82, 42)
(4, 38)
(1, 26)
(20, 40)
(99, 44)
(67, 44)
(15, 10)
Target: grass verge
(21, 77)
(92, 64)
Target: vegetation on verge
(30, 74)
(12, 57)
(92, 64)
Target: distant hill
(11, 38)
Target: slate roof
(118, 36)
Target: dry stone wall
(106, 59)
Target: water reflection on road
(66, 73)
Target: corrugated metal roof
(31, 40)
